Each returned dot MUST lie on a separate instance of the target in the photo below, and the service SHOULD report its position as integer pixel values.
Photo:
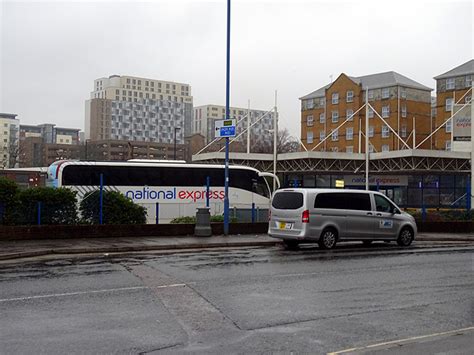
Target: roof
(464, 69)
(8, 115)
(375, 81)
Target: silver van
(327, 216)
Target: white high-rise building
(260, 133)
(139, 109)
(9, 140)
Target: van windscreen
(287, 200)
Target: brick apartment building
(452, 87)
(395, 97)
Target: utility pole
(367, 139)
(275, 138)
(227, 99)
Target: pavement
(11, 250)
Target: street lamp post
(175, 129)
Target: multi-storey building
(9, 140)
(139, 109)
(260, 135)
(452, 88)
(400, 101)
(50, 133)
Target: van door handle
(379, 214)
(369, 214)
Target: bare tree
(286, 143)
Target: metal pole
(175, 143)
(472, 144)
(157, 213)
(227, 99)
(360, 135)
(367, 139)
(101, 198)
(39, 212)
(208, 187)
(414, 135)
(248, 128)
(275, 138)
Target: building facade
(35, 152)
(139, 109)
(50, 134)
(403, 104)
(122, 150)
(452, 87)
(9, 140)
(260, 135)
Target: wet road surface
(246, 300)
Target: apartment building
(399, 100)
(9, 140)
(122, 150)
(50, 134)
(260, 135)
(139, 109)
(452, 87)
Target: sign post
(225, 128)
(227, 104)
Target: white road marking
(406, 340)
(86, 292)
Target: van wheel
(290, 244)
(328, 239)
(406, 237)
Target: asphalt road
(247, 300)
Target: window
(322, 118)
(385, 148)
(449, 104)
(335, 116)
(322, 135)
(371, 94)
(371, 131)
(309, 104)
(385, 93)
(349, 133)
(350, 96)
(309, 120)
(468, 81)
(403, 93)
(309, 137)
(385, 111)
(383, 205)
(467, 99)
(350, 149)
(404, 110)
(385, 131)
(371, 113)
(287, 200)
(335, 149)
(349, 114)
(403, 132)
(335, 136)
(450, 84)
(335, 98)
(371, 148)
(343, 201)
(447, 145)
(449, 126)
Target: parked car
(327, 216)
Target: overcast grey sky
(52, 51)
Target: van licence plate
(284, 225)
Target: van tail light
(269, 215)
(305, 216)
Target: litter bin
(203, 222)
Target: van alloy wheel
(405, 238)
(328, 239)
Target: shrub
(8, 200)
(58, 206)
(117, 209)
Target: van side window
(382, 204)
(343, 201)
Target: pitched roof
(464, 69)
(375, 81)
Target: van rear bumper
(290, 235)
